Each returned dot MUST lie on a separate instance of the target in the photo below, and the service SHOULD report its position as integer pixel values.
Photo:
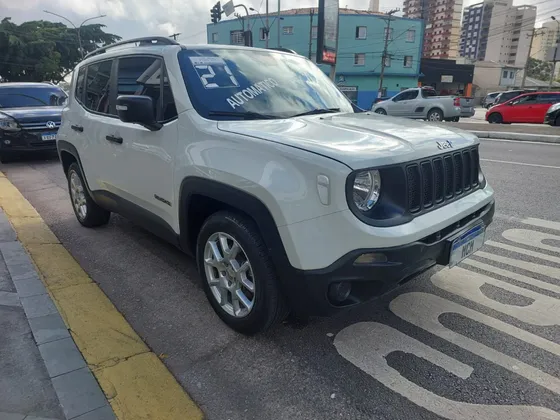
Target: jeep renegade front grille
(442, 178)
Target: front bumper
(309, 289)
(25, 141)
(550, 117)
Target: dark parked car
(509, 94)
(30, 115)
(552, 116)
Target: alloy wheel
(78, 195)
(229, 274)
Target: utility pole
(278, 18)
(384, 56)
(533, 33)
(311, 13)
(174, 36)
(555, 54)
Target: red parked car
(526, 108)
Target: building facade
(545, 39)
(443, 25)
(360, 47)
(497, 31)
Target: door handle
(114, 139)
(78, 128)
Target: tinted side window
(400, 97)
(97, 92)
(549, 98)
(79, 89)
(413, 94)
(142, 76)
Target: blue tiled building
(360, 47)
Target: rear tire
(380, 111)
(435, 115)
(88, 213)
(557, 121)
(495, 118)
(7, 158)
(227, 288)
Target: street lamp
(555, 53)
(76, 28)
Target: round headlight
(367, 186)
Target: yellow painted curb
(136, 382)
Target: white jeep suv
(254, 162)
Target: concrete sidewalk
(42, 372)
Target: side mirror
(137, 109)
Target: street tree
(37, 51)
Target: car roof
(27, 84)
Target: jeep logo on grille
(442, 145)
(51, 124)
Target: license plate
(466, 244)
(46, 137)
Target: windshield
(36, 96)
(251, 84)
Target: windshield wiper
(317, 111)
(246, 115)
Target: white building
(495, 30)
(545, 39)
(373, 6)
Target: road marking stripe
(541, 223)
(542, 143)
(514, 276)
(524, 265)
(137, 384)
(521, 163)
(524, 251)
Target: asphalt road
(480, 341)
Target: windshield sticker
(251, 92)
(213, 72)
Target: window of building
(97, 93)
(410, 35)
(387, 61)
(407, 61)
(388, 34)
(288, 30)
(215, 37)
(142, 76)
(470, 27)
(361, 32)
(314, 32)
(511, 75)
(505, 74)
(236, 37)
(359, 59)
(263, 35)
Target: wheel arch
(201, 197)
(436, 108)
(68, 154)
(496, 113)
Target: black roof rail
(148, 40)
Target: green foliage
(539, 69)
(38, 51)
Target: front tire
(237, 273)
(88, 213)
(435, 115)
(495, 118)
(557, 121)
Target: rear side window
(79, 89)
(97, 92)
(427, 93)
(549, 98)
(142, 76)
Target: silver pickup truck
(423, 103)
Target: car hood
(359, 140)
(38, 114)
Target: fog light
(371, 258)
(339, 291)
(7, 141)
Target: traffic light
(216, 13)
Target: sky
(135, 18)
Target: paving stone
(7, 233)
(48, 328)
(38, 418)
(103, 413)
(40, 305)
(22, 271)
(61, 356)
(30, 287)
(78, 393)
(9, 299)
(13, 253)
(11, 416)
